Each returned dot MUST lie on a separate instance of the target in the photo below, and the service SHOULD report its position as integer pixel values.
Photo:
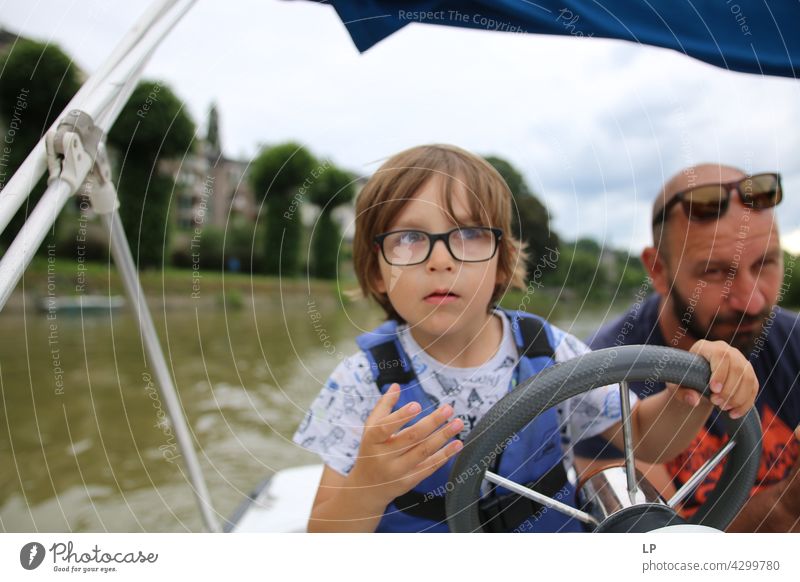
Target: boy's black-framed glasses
(710, 201)
(471, 244)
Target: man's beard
(743, 340)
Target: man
(717, 270)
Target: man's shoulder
(634, 326)
(787, 321)
(776, 361)
(781, 337)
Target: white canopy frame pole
(75, 166)
(24, 179)
(123, 258)
(107, 97)
(127, 269)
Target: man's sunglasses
(710, 201)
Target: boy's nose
(440, 257)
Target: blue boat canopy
(751, 36)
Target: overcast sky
(595, 125)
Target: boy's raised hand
(733, 382)
(393, 462)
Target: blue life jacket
(534, 458)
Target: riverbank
(186, 288)
(170, 286)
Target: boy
(381, 422)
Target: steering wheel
(581, 374)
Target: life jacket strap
(505, 513)
(391, 367)
(498, 513)
(535, 342)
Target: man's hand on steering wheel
(733, 382)
(665, 423)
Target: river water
(83, 441)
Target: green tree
(281, 177)
(630, 274)
(152, 126)
(581, 270)
(333, 188)
(791, 279)
(589, 245)
(530, 218)
(36, 84)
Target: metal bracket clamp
(76, 154)
(98, 185)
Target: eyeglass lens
(412, 246)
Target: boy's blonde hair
(398, 180)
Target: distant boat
(80, 303)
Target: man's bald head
(686, 179)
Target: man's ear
(657, 270)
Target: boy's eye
(470, 233)
(411, 237)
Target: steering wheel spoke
(627, 436)
(540, 498)
(699, 475)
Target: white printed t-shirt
(333, 425)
